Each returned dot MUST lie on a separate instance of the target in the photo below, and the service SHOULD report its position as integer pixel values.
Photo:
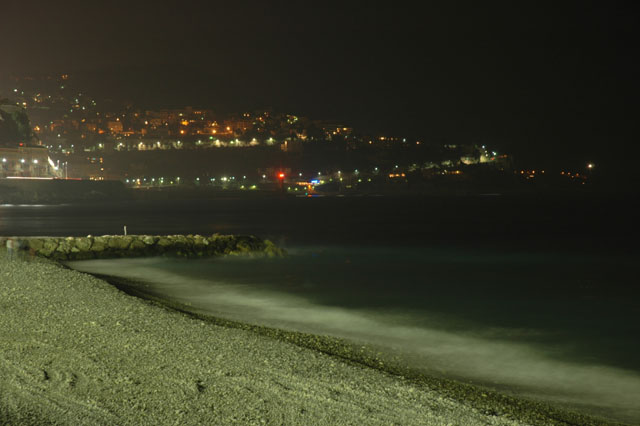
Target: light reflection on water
(554, 325)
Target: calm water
(570, 222)
(537, 295)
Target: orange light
(281, 175)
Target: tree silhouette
(14, 123)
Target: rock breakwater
(113, 246)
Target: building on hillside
(26, 161)
(21, 154)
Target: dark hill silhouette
(14, 125)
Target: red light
(281, 175)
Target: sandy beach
(75, 350)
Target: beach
(76, 350)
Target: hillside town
(50, 128)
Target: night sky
(522, 76)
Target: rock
(83, 255)
(84, 243)
(120, 242)
(99, 244)
(104, 254)
(109, 246)
(180, 240)
(137, 245)
(200, 245)
(36, 244)
(149, 240)
(271, 250)
(219, 243)
(59, 255)
(112, 243)
(164, 242)
(49, 246)
(243, 247)
(64, 246)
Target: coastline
(78, 350)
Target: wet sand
(76, 350)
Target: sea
(536, 295)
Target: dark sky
(524, 75)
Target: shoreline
(77, 191)
(363, 384)
(483, 399)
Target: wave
(495, 359)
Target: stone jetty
(114, 246)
